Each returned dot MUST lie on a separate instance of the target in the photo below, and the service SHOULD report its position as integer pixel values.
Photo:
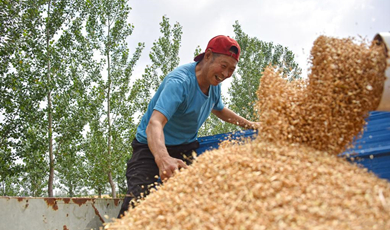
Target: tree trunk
(99, 192)
(71, 193)
(51, 157)
(112, 184)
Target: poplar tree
(164, 57)
(108, 28)
(77, 72)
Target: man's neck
(201, 78)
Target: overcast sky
(291, 23)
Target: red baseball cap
(221, 44)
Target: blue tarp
(212, 142)
(372, 149)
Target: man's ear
(208, 54)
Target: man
(167, 134)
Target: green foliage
(50, 60)
(22, 129)
(9, 187)
(197, 51)
(164, 57)
(165, 51)
(95, 153)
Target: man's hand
(254, 125)
(168, 165)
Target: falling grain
(329, 109)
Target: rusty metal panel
(17, 213)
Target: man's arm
(229, 116)
(156, 142)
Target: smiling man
(167, 134)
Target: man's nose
(225, 74)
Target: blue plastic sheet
(212, 142)
(372, 149)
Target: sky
(291, 23)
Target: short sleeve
(171, 97)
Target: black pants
(142, 170)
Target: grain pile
(290, 177)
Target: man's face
(221, 67)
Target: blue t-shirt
(180, 99)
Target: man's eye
(224, 66)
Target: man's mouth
(218, 78)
